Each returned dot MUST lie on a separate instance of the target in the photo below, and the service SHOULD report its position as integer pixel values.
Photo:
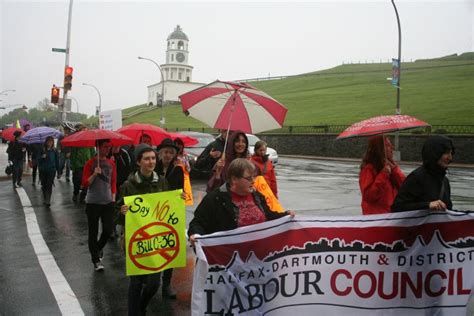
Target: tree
(45, 105)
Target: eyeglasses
(249, 178)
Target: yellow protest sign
(187, 185)
(261, 185)
(155, 232)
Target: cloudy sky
(228, 41)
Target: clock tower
(176, 67)
(176, 71)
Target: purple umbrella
(39, 134)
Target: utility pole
(396, 153)
(68, 41)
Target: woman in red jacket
(264, 166)
(380, 177)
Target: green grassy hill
(439, 91)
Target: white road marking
(65, 297)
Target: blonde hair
(238, 166)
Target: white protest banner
(411, 263)
(110, 120)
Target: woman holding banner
(427, 187)
(380, 177)
(233, 205)
(142, 288)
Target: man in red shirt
(99, 176)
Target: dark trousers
(64, 163)
(34, 172)
(141, 290)
(105, 213)
(76, 180)
(17, 171)
(47, 181)
(167, 274)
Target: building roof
(178, 34)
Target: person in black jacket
(211, 154)
(427, 187)
(174, 175)
(142, 288)
(234, 204)
(16, 154)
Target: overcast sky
(228, 41)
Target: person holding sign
(99, 177)
(427, 187)
(264, 166)
(380, 177)
(234, 204)
(142, 288)
(173, 173)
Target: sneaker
(74, 197)
(98, 266)
(101, 255)
(19, 184)
(167, 292)
(68, 180)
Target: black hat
(167, 142)
(140, 149)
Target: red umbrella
(234, 106)
(382, 124)
(8, 133)
(89, 137)
(136, 130)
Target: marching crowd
(101, 180)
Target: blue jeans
(141, 290)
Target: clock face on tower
(180, 57)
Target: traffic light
(67, 78)
(55, 95)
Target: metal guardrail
(138, 111)
(336, 129)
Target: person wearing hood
(264, 165)
(237, 147)
(427, 187)
(145, 180)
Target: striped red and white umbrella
(234, 106)
(382, 124)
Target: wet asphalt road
(313, 187)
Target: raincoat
(429, 182)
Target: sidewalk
(4, 162)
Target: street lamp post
(5, 91)
(162, 119)
(99, 109)
(396, 153)
(77, 104)
(4, 107)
